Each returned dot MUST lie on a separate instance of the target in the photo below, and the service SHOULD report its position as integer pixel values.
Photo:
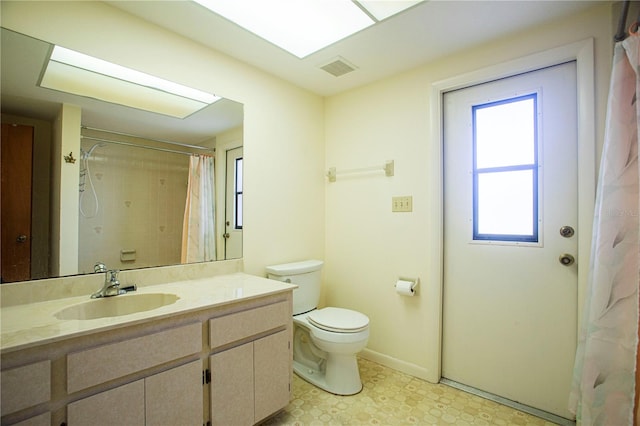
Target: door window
(505, 170)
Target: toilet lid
(339, 320)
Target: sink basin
(116, 306)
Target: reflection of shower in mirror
(85, 174)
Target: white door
(233, 209)
(510, 187)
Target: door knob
(21, 238)
(566, 259)
(226, 235)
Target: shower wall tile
(141, 196)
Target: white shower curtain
(198, 229)
(604, 374)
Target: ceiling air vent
(338, 66)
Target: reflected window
(238, 194)
(505, 170)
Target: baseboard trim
(396, 364)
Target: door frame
(230, 202)
(583, 53)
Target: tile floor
(392, 398)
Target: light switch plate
(402, 204)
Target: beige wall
(367, 246)
(64, 201)
(283, 125)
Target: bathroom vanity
(208, 351)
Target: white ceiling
(423, 33)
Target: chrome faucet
(111, 285)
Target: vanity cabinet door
(272, 374)
(123, 405)
(43, 419)
(252, 381)
(232, 386)
(174, 397)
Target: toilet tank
(306, 275)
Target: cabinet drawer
(26, 386)
(240, 325)
(103, 363)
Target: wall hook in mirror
(69, 158)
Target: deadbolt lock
(567, 231)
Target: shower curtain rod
(135, 145)
(184, 145)
(621, 34)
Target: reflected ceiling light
(73, 72)
(302, 27)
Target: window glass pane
(505, 203)
(239, 175)
(239, 211)
(505, 133)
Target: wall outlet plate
(402, 204)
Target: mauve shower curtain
(604, 374)
(198, 230)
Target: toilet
(325, 341)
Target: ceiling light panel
(299, 27)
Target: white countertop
(24, 326)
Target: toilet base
(343, 376)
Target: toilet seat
(338, 320)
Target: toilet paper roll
(405, 288)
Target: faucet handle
(113, 275)
(99, 267)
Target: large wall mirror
(133, 176)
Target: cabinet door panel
(232, 386)
(123, 405)
(174, 397)
(43, 419)
(272, 366)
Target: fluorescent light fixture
(73, 72)
(303, 27)
(299, 27)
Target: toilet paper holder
(406, 284)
